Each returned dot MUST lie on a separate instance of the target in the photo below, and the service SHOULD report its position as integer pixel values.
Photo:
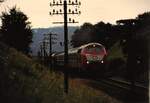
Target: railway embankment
(22, 80)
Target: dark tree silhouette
(143, 19)
(135, 33)
(16, 30)
(127, 33)
(82, 35)
(133, 36)
(100, 32)
(1, 1)
(103, 33)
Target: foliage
(1, 1)
(108, 34)
(103, 33)
(24, 81)
(115, 61)
(115, 52)
(127, 41)
(16, 30)
(134, 45)
(143, 19)
(100, 32)
(82, 36)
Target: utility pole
(44, 51)
(50, 42)
(50, 49)
(41, 52)
(66, 86)
(65, 22)
(43, 47)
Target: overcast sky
(92, 11)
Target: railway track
(123, 84)
(122, 90)
(116, 88)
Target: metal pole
(44, 51)
(66, 86)
(41, 47)
(50, 49)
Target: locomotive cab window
(93, 48)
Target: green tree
(135, 34)
(82, 35)
(16, 30)
(143, 20)
(100, 32)
(1, 1)
(103, 33)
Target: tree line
(16, 30)
(133, 35)
(107, 34)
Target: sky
(92, 11)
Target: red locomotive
(85, 57)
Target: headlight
(102, 61)
(87, 62)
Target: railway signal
(65, 12)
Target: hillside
(38, 35)
(24, 81)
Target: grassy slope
(24, 81)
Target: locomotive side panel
(86, 57)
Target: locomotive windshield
(94, 48)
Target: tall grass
(24, 81)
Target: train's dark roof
(83, 46)
(75, 50)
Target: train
(87, 57)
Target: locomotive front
(93, 56)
